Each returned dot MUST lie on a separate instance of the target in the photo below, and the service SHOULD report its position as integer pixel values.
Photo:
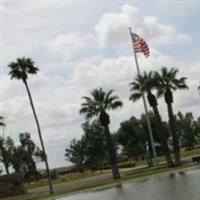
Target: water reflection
(172, 175)
(119, 189)
(182, 173)
(178, 186)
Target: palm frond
(87, 99)
(21, 68)
(115, 105)
(110, 100)
(98, 102)
(109, 94)
(160, 92)
(167, 78)
(142, 83)
(135, 86)
(15, 74)
(135, 96)
(2, 124)
(180, 83)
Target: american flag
(140, 45)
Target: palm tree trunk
(40, 135)
(7, 170)
(163, 138)
(174, 134)
(112, 153)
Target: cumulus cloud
(70, 45)
(162, 33)
(40, 21)
(112, 28)
(100, 71)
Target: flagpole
(145, 107)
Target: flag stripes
(140, 45)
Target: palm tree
(20, 70)
(144, 84)
(98, 105)
(166, 83)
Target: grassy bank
(63, 178)
(126, 176)
(141, 171)
(75, 176)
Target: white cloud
(31, 26)
(70, 45)
(32, 8)
(162, 33)
(112, 28)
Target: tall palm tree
(145, 84)
(20, 70)
(166, 83)
(97, 106)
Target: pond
(183, 186)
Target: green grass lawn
(184, 154)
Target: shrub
(10, 185)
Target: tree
(39, 155)
(6, 149)
(166, 83)
(25, 155)
(89, 151)
(145, 83)
(20, 70)
(28, 147)
(187, 130)
(131, 139)
(75, 154)
(97, 106)
(144, 134)
(197, 128)
(18, 160)
(94, 144)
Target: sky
(82, 45)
